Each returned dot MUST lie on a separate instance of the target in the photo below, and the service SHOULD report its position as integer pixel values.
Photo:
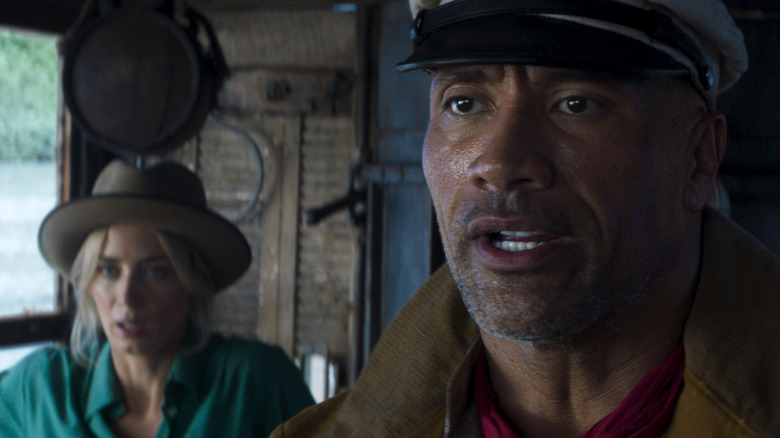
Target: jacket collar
(423, 345)
(732, 336)
(733, 316)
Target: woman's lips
(131, 328)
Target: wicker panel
(325, 250)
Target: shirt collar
(188, 369)
(102, 387)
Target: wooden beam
(287, 92)
(47, 16)
(33, 328)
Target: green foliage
(28, 97)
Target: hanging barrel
(137, 82)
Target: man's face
(559, 193)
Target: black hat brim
(537, 40)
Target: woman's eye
(157, 271)
(577, 105)
(462, 105)
(107, 270)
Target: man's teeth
(510, 246)
(517, 233)
(515, 246)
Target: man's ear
(708, 144)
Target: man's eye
(577, 105)
(462, 105)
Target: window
(28, 187)
(27, 193)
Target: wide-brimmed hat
(680, 37)
(168, 197)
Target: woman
(145, 257)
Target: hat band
(652, 23)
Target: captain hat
(680, 37)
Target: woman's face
(140, 300)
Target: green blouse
(230, 388)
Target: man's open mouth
(514, 241)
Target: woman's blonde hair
(192, 270)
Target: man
(589, 290)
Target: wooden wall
(289, 97)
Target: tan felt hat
(167, 196)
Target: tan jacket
(732, 346)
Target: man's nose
(512, 156)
